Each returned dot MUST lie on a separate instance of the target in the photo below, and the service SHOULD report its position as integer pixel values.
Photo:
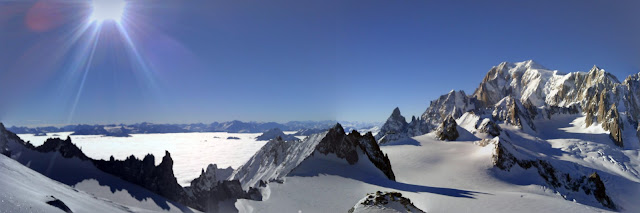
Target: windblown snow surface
(24, 190)
(459, 176)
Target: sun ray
(87, 67)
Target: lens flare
(104, 10)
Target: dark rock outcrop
(145, 173)
(208, 199)
(389, 201)
(448, 130)
(65, 147)
(55, 202)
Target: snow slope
(82, 175)
(24, 190)
(437, 176)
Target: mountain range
(123, 130)
(528, 139)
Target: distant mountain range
(123, 130)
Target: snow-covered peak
(599, 75)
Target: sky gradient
(283, 60)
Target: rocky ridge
(278, 158)
(158, 179)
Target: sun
(104, 10)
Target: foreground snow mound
(385, 202)
(274, 133)
(24, 190)
(278, 158)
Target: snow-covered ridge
(24, 190)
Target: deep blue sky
(289, 60)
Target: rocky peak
(512, 112)
(4, 149)
(384, 202)
(277, 159)
(348, 146)
(211, 177)
(448, 130)
(395, 113)
(598, 75)
(395, 124)
(65, 147)
(454, 103)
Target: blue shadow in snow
(408, 141)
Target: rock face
(512, 112)
(489, 127)
(274, 133)
(448, 130)
(395, 124)
(5, 136)
(347, 147)
(158, 179)
(454, 103)
(278, 158)
(209, 178)
(504, 158)
(384, 202)
(64, 147)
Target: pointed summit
(396, 112)
(338, 128)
